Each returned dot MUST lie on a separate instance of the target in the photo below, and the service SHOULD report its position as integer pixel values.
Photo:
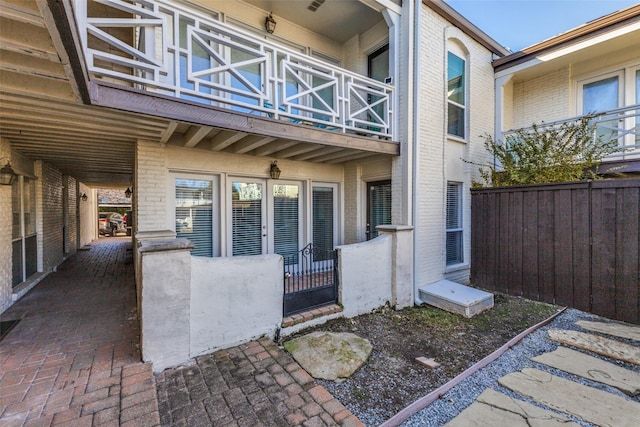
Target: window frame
(452, 49)
(460, 229)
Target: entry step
(456, 298)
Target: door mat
(6, 326)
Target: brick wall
(5, 234)
(437, 159)
(72, 215)
(52, 216)
(544, 98)
(352, 197)
(151, 187)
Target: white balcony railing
(621, 124)
(162, 47)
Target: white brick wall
(151, 187)
(544, 98)
(439, 160)
(352, 197)
(52, 216)
(5, 234)
(72, 211)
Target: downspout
(413, 92)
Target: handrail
(621, 124)
(173, 50)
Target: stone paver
(615, 329)
(597, 344)
(498, 410)
(590, 404)
(73, 359)
(255, 384)
(592, 368)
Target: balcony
(621, 125)
(163, 48)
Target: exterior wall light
(128, 192)
(7, 174)
(270, 24)
(274, 172)
(84, 197)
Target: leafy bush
(542, 154)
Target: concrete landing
(456, 298)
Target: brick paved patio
(73, 360)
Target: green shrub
(542, 154)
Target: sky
(517, 24)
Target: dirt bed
(392, 379)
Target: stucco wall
(234, 300)
(365, 275)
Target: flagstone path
(563, 397)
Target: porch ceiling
(43, 117)
(334, 19)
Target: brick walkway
(73, 358)
(252, 385)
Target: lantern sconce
(84, 197)
(275, 171)
(270, 24)
(128, 192)
(7, 174)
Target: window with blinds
(323, 219)
(246, 217)
(379, 206)
(454, 244)
(286, 222)
(195, 216)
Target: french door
(266, 217)
(378, 206)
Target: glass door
(378, 206)
(248, 218)
(286, 213)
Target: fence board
(515, 243)
(581, 249)
(603, 261)
(574, 244)
(530, 275)
(546, 268)
(563, 242)
(627, 255)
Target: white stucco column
(401, 264)
(165, 299)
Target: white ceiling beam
(225, 138)
(251, 142)
(195, 134)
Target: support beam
(274, 147)
(295, 150)
(168, 132)
(195, 134)
(251, 142)
(225, 138)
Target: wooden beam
(251, 142)
(18, 12)
(273, 147)
(348, 158)
(225, 138)
(37, 67)
(319, 152)
(168, 132)
(295, 150)
(195, 134)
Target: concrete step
(456, 298)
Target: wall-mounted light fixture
(274, 172)
(7, 174)
(128, 192)
(270, 24)
(84, 197)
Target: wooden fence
(573, 244)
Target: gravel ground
(515, 359)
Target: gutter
(427, 400)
